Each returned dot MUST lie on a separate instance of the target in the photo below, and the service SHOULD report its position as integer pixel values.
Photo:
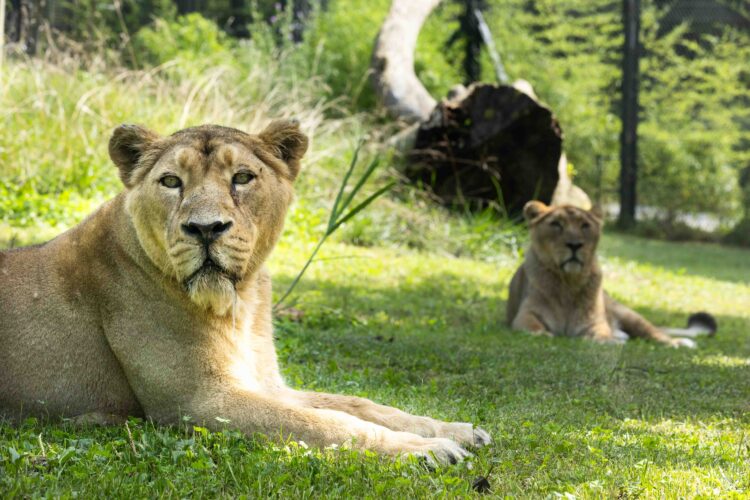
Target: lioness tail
(700, 323)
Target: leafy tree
(694, 98)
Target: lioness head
(563, 238)
(208, 203)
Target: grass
(424, 331)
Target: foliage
(341, 40)
(97, 23)
(740, 234)
(437, 65)
(693, 98)
(57, 115)
(192, 39)
(694, 112)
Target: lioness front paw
(465, 434)
(481, 437)
(680, 342)
(440, 451)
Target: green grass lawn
(425, 332)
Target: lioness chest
(172, 354)
(566, 312)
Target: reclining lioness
(558, 288)
(158, 304)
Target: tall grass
(57, 112)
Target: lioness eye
(170, 181)
(242, 178)
(585, 225)
(556, 224)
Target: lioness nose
(206, 233)
(574, 246)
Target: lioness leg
(99, 418)
(636, 325)
(527, 321)
(602, 332)
(393, 418)
(255, 413)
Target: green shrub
(340, 41)
(191, 38)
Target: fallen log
(492, 144)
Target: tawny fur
(558, 288)
(129, 314)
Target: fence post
(188, 6)
(473, 37)
(2, 38)
(629, 135)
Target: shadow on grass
(446, 339)
(724, 263)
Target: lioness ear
(597, 212)
(127, 145)
(287, 142)
(534, 209)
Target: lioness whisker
(182, 251)
(235, 248)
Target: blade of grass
(302, 271)
(363, 178)
(344, 182)
(340, 206)
(354, 211)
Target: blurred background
(72, 70)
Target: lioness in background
(558, 288)
(158, 304)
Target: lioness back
(53, 356)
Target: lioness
(158, 304)
(558, 288)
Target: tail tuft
(703, 321)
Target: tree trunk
(740, 234)
(15, 21)
(392, 64)
(629, 134)
(2, 37)
(489, 145)
(188, 6)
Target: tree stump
(492, 145)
